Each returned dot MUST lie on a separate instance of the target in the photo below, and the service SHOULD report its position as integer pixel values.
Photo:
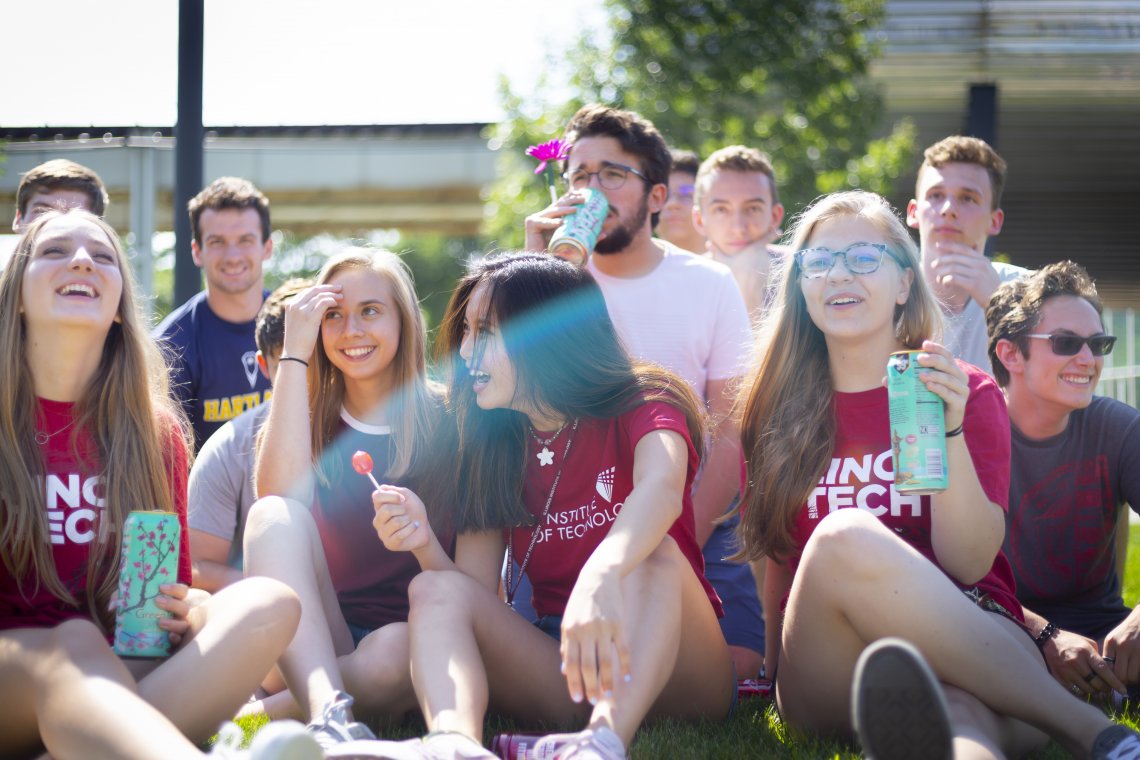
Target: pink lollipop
(362, 463)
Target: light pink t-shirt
(686, 315)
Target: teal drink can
(149, 559)
(576, 238)
(918, 428)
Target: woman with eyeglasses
(1075, 464)
(889, 614)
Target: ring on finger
(1075, 689)
(1091, 676)
(1109, 660)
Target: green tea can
(149, 559)
(918, 428)
(576, 238)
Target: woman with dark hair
(580, 463)
(891, 613)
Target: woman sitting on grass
(88, 432)
(351, 377)
(926, 569)
(580, 464)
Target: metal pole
(189, 136)
(142, 218)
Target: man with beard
(209, 340)
(673, 308)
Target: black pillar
(981, 120)
(189, 135)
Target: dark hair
(1015, 307)
(685, 161)
(61, 174)
(959, 149)
(269, 330)
(636, 134)
(568, 360)
(229, 192)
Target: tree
(786, 76)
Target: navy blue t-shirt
(213, 364)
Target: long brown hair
(412, 405)
(788, 426)
(568, 361)
(126, 409)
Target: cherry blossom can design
(576, 238)
(149, 558)
(918, 428)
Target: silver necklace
(512, 587)
(546, 456)
(43, 438)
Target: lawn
(754, 730)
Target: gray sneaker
(897, 706)
(334, 726)
(1117, 742)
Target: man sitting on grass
(1075, 464)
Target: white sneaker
(1117, 742)
(278, 740)
(333, 727)
(591, 744)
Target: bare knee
(844, 541)
(270, 512)
(265, 605)
(439, 587)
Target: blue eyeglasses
(859, 258)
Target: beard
(618, 240)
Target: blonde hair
(787, 426)
(734, 158)
(126, 408)
(414, 399)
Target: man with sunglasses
(673, 308)
(675, 224)
(956, 209)
(1075, 464)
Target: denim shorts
(358, 632)
(743, 621)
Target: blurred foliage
(436, 261)
(786, 76)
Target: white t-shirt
(965, 333)
(686, 315)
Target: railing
(1120, 378)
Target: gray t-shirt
(965, 333)
(1065, 495)
(221, 480)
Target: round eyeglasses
(859, 258)
(610, 177)
(1070, 345)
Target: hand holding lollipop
(362, 463)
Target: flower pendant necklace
(546, 456)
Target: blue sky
(272, 62)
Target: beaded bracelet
(1048, 632)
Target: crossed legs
(858, 582)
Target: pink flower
(555, 150)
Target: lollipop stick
(373, 479)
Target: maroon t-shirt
(861, 474)
(371, 582)
(595, 482)
(73, 488)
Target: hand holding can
(576, 238)
(149, 559)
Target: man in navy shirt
(209, 340)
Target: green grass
(754, 730)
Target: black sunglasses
(1070, 345)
